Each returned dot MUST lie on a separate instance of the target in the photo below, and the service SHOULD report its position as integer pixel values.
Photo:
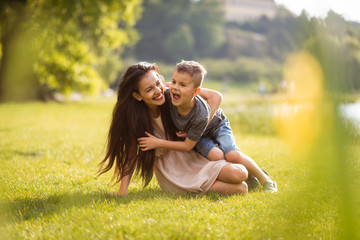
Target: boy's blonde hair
(194, 69)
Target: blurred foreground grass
(48, 158)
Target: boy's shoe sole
(253, 183)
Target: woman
(141, 107)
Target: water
(351, 111)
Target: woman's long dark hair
(130, 120)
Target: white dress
(182, 172)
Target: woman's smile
(150, 90)
(160, 97)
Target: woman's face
(151, 90)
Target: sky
(349, 9)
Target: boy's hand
(148, 143)
(181, 134)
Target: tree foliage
(182, 29)
(333, 41)
(244, 69)
(73, 45)
(338, 51)
(66, 46)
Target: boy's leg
(226, 142)
(239, 157)
(208, 148)
(268, 185)
(216, 154)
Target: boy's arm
(152, 142)
(213, 98)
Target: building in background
(248, 10)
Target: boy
(190, 114)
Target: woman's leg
(231, 180)
(233, 173)
(229, 188)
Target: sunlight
(299, 120)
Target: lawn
(49, 190)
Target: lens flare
(300, 120)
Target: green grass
(48, 158)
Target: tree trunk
(5, 39)
(11, 23)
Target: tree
(180, 43)
(163, 27)
(74, 45)
(207, 26)
(336, 24)
(160, 19)
(11, 17)
(339, 59)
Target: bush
(243, 69)
(251, 119)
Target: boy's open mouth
(176, 96)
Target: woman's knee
(233, 173)
(240, 172)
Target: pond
(351, 111)
(261, 115)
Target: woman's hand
(118, 194)
(124, 184)
(149, 142)
(122, 193)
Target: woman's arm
(124, 185)
(129, 169)
(213, 98)
(152, 142)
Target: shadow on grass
(23, 209)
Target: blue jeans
(222, 137)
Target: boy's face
(182, 89)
